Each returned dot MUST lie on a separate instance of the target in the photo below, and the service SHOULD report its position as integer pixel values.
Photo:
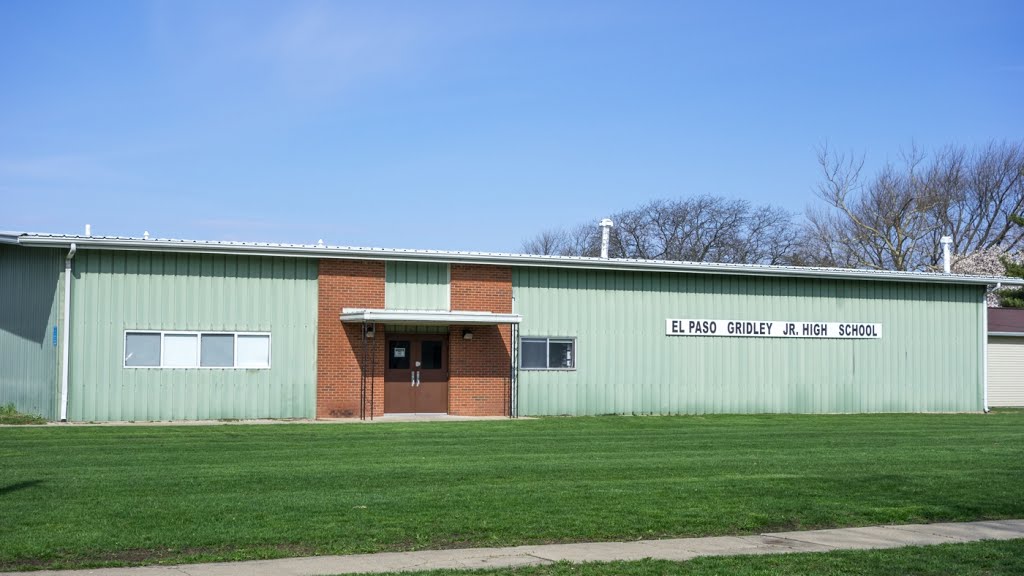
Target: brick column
(479, 368)
(347, 284)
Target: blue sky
(469, 125)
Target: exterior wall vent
(606, 232)
(946, 242)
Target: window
(141, 349)
(431, 354)
(180, 350)
(253, 351)
(547, 353)
(218, 351)
(196, 350)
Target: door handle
(412, 376)
(417, 378)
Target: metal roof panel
(494, 258)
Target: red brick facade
(347, 284)
(478, 368)
(478, 384)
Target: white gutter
(67, 333)
(531, 260)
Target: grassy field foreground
(88, 496)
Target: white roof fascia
(7, 237)
(428, 317)
(456, 257)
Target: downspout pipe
(66, 352)
(984, 350)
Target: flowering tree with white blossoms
(986, 262)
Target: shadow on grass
(4, 490)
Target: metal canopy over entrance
(454, 317)
(416, 365)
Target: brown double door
(416, 377)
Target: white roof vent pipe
(88, 229)
(946, 242)
(606, 233)
(145, 235)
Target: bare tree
(703, 228)
(771, 237)
(548, 242)
(893, 220)
(890, 220)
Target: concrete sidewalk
(674, 549)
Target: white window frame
(547, 352)
(199, 349)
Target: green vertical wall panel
(416, 286)
(928, 360)
(118, 291)
(30, 296)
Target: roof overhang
(502, 259)
(7, 237)
(434, 317)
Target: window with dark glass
(217, 350)
(141, 349)
(547, 353)
(560, 354)
(430, 354)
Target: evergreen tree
(1013, 297)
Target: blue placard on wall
(54, 336)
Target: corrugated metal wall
(1005, 371)
(30, 293)
(118, 291)
(416, 286)
(929, 358)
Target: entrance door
(416, 378)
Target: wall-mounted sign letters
(772, 329)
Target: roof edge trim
(352, 253)
(10, 237)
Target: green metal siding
(928, 360)
(118, 291)
(416, 286)
(30, 293)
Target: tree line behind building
(890, 219)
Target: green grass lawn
(85, 496)
(974, 559)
